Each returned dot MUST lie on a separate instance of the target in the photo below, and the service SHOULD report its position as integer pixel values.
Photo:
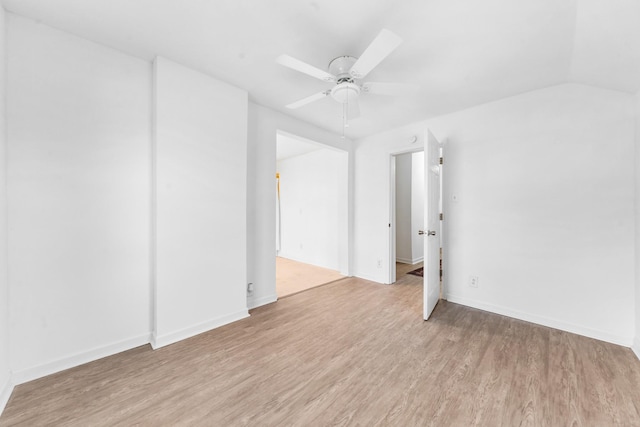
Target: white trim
(370, 278)
(410, 261)
(77, 359)
(392, 250)
(416, 147)
(5, 393)
(544, 321)
(173, 337)
(636, 347)
(259, 302)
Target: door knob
(428, 232)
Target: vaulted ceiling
(460, 53)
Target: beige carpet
(293, 277)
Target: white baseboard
(544, 321)
(636, 347)
(173, 337)
(258, 302)
(410, 261)
(77, 359)
(5, 393)
(370, 278)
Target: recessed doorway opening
(311, 214)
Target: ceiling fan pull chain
(344, 118)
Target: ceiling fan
(347, 72)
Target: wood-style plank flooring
(293, 276)
(350, 353)
(402, 268)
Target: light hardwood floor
(293, 276)
(402, 268)
(350, 353)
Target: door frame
(391, 238)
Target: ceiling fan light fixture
(345, 92)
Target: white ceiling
(460, 53)
(288, 146)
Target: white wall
(313, 191)
(200, 203)
(403, 191)
(636, 343)
(264, 124)
(545, 210)
(78, 182)
(5, 367)
(417, 206)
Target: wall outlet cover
(473, 281)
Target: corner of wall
(158, 341)
(636, 347)
(260, 301)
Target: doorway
(399, 264)
(407, 213)
(311, 214)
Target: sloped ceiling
(460, 53)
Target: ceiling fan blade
(391, 89)
(353, 109)
(303, 67)
(380, 48)
(308, 99)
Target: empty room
(139, 221)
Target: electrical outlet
(250, 288)
(379, 263)
(473, 281)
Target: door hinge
(441, 216)
(442, 160)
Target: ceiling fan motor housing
(346, 90)
(341, 66)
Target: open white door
(432, 224)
